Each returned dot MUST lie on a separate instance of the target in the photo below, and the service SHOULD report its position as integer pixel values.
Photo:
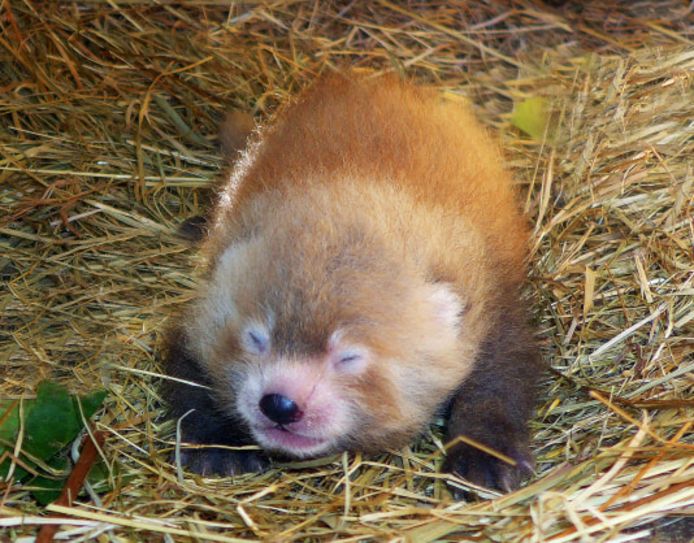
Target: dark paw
(485, 470)
(218, 461)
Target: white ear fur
(220, 304)
(448, 305)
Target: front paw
(220, 461)
(483, 469)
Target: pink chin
(290, 443)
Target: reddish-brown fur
(399, 134)
(361, 197)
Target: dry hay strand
(105, 148)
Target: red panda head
(321, 334)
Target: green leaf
(51, 421)
(45, 490)
(9, 420)
(91, 403)
(531, 117)
(100, 477)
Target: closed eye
(350, 357)
(352, 362)
(257, 341)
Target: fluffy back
(355, 127)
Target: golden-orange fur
(366, 129)
(349, 212)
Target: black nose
(280, 409)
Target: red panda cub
(363, 266)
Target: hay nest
(105, 147)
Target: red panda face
(320, 333)
(310, 368)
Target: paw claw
(223, 462)
(488, 471)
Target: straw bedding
(106, 144)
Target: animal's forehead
(312, 279)
(329, 279)
(372, 322)
(304, 320)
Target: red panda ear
(448, 306)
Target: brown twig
(89, 454)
